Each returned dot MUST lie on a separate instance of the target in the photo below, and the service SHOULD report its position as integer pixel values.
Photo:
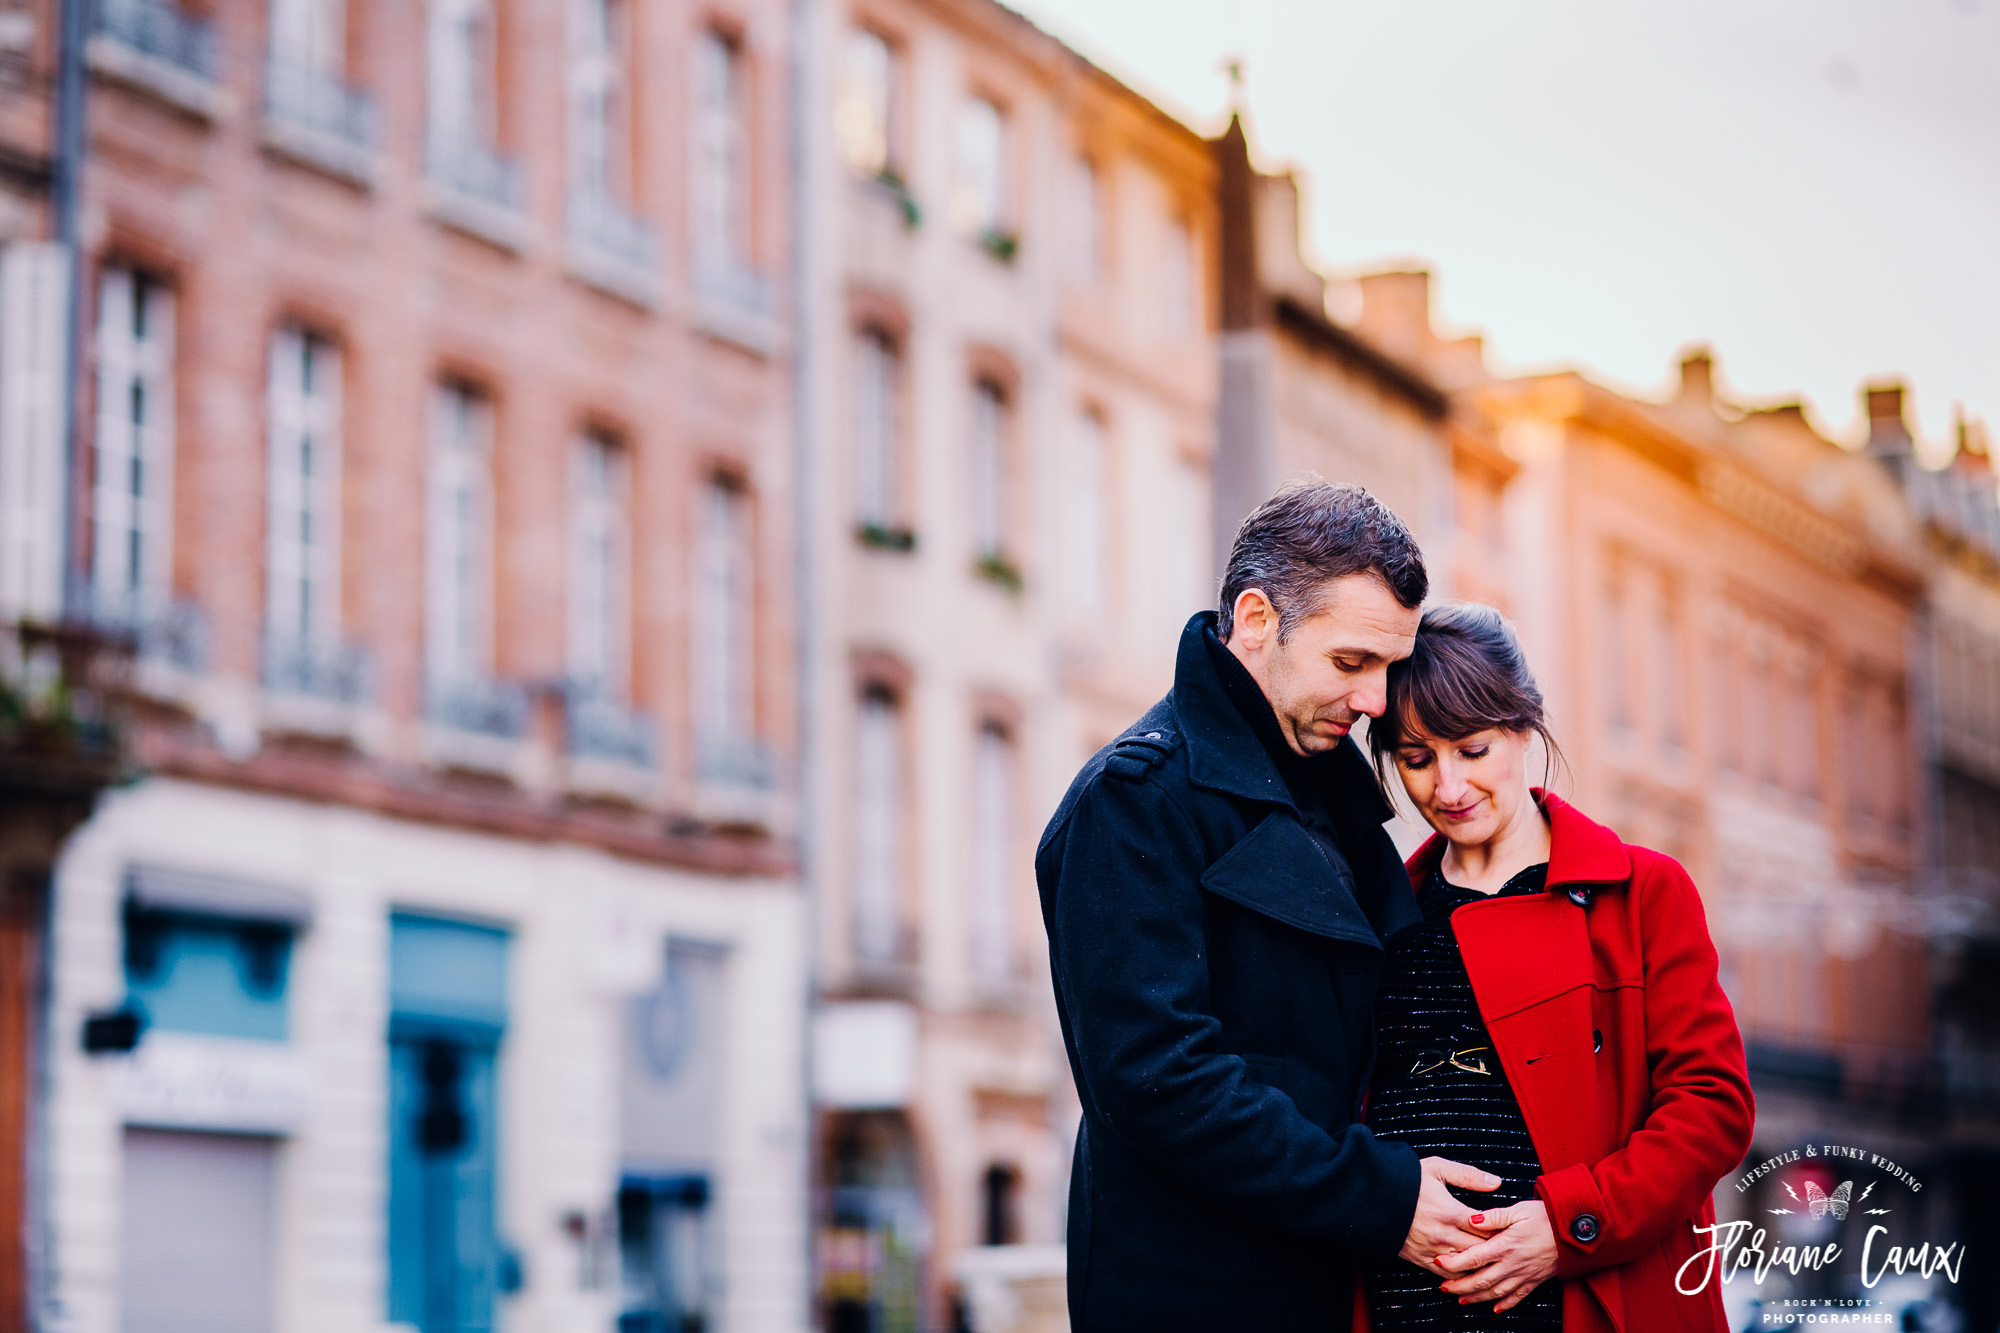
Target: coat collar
(1224, 753)
(1581, 850)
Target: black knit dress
(1426, 1013)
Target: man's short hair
(1312, 532)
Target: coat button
(1583, 1227)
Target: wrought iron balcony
(728, 283)
(600, 226)
(159, 30)
(739, 762)
(172, 633)
(476, 172)
(337, 672)
(599, 728)
(314, 103)
(483, 707)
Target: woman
(1555, 1020)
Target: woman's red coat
(1636, 1133)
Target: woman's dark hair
(1467, 673)
(1308, 534)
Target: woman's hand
(1441, 1225)
(1517, 1257)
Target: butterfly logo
(1819, 1203)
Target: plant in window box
(884, 537)
(1002, 245)
(997, 568)
(913, 212)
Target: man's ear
(1256, 621)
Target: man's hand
(1517, 1257)
(1442, 1224)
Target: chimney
(1698, 377)
(1396, 313)
(1887, 432)
(1975, 445)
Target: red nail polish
(1479, 1219)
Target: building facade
(434, 455)
(1743, 635)
(1014, 384)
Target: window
(600, 114)
(724, 601)
(991, 917)
(1669, 688)
(986, 466)
(1000, 1190)
(721, 154)
(463, 91)
(1087, 221)
(308, 38)
(1089, 495)
(861, 117)
(878, 829)
(978, 196)
(1177, 278)
(458, 555)
(302, 560)
(1800, 727)
(599, 557)
(1616, 665)
(219, 976)
(133, 506)
(877, 457)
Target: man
(1218, 889)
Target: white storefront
(397, 1074)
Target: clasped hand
(1499, 1255)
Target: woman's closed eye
(1415, 759)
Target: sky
(1811, 188)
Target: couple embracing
(1491, 1088)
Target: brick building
(435, 453)
(1013, 379)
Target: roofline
(1301, 320)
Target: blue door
(447, 1015)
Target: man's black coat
(1215, 969)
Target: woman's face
(1469, 789)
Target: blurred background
(555, 556)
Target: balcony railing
(602, 729)
(172, 634)
(600, 226)
(478, 191)
(729, 284)
(320, 105)
(738, 762)
(159, 30)
(337, 672)
(483, 707)
(475, 172)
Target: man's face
(1334, 669)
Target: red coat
(1624, 1054)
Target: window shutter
(34, 280)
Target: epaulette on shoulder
(1136, 756)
